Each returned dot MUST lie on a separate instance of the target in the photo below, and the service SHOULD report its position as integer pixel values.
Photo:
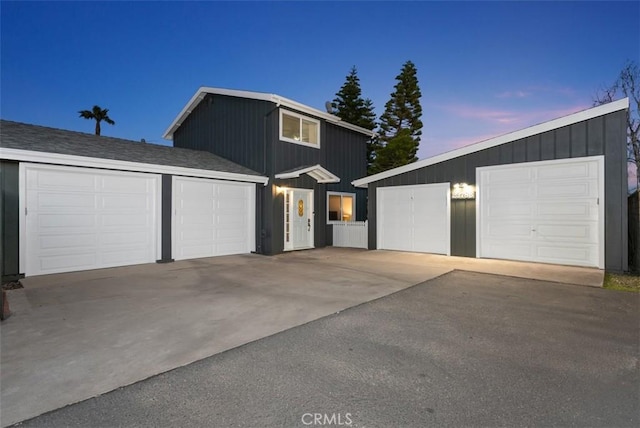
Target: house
(73, 201)
(250, 172)
(310, 157)
(552, 193)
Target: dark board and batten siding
(233, 128)
(347, 158)
(246, 131)
(603, 135)
(9, 219)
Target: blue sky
(485, 68)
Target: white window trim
(301, 117)
(353, 195)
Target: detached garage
(74, 201)
(552, 193)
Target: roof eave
(497, 141)
(276, 99)
(91, 162)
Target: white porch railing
(353, 234)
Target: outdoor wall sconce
(463, 191)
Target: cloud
(465, 124)
(513, 94)
(516, 119)
(480, 112)
(531, 91)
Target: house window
(298, 129)
(341, 207)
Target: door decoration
(300, 207)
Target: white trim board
(503, 139)
(317, 172)
(88, 162)
(277, 99)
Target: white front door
(549, 211)
(298, 219)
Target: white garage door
(80, 218)
(414, 218)
(212, 218)
(549, 212)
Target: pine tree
(352, 108)
(400, 124)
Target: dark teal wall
(9, 219)
(603, 135)
(246, 131)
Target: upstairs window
(341, 206)
(298, 129)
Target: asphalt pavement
(464, 349)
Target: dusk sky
(484, 68)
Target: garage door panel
(128, 220)
(511, 176)
(564, 190)
(568, 209)
(192, 220)
(66, 262)
(563, 171)
(73, 241)
(121, 203)
(118, 257)
(566, 254)
(511, 230)
(81, 181)
(76, 221)
(123, 239)
(586, 233)
(500, 209)
(510, 191)
(508, 249)
(123, 185)
(560, 221)
(59, 200)
(67, 221)
(212, 218)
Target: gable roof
(26, 142)
(276, 99)
(497, 141)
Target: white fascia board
(72, 160)
(320, 174)
(502, 139)
(280, 101)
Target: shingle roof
(23, 136)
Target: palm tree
(99, 115)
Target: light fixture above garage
(463, 191)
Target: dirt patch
(12, 285)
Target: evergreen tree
(352, 108)
(400, 124)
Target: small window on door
(341, 207)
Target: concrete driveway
(75, 336)
(464, 349)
